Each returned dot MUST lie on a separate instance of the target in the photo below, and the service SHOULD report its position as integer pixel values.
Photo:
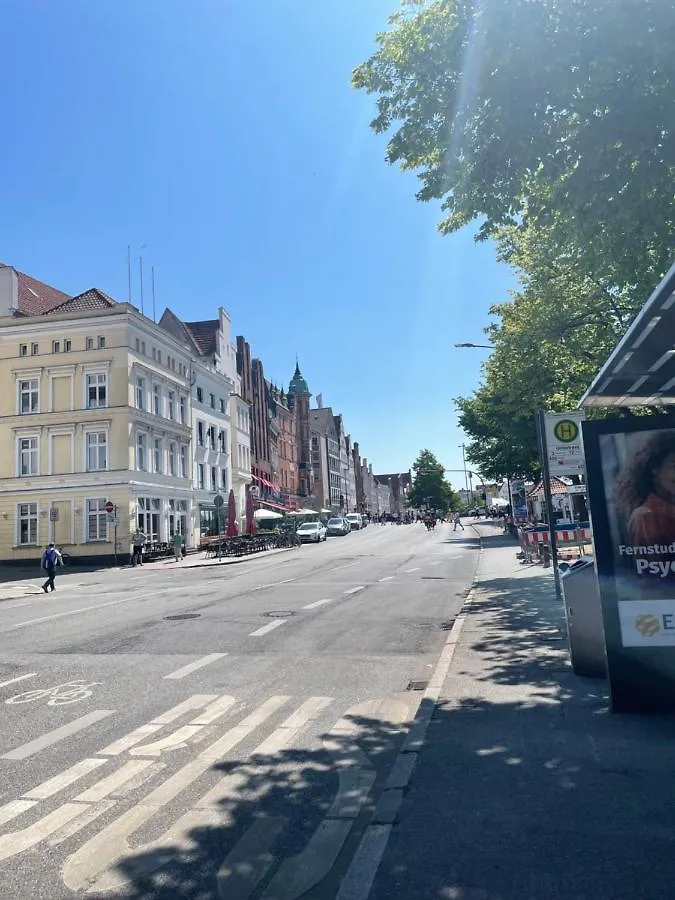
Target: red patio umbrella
(232, 530)
(250, 519)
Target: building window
(157, 455)
(148, 517)
(172, 405)
(157, 399)
(183, 462)
(29, 396)
(23, 349)
(143, 347)
(212, 401)
(27, 516)
(183, 410)
(214, 478)
(200, 395)
(56, 346)
(97, 522)
(212, 437)
(67, 346)
(223, 479)
(154, 353)
(89, 345)
(28, 456)
(101, 342)
(140, 393)
(221, 440)
(97, 390)
(200, 476)
(142, 452)
(138, 346)
(97, 451)
(172, 458)
(173, 364)
(200, 433)
(222, 405)
(34, 349)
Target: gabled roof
(558, 486)
(92, 299)
(35, 297)
(204, 335)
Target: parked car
(338, 525)
(355, 521)
(312, 532)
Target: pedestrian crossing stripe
(143, 754)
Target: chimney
(9, 291)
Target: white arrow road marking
(301, 873)
(92, 867)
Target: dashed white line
(316, 604)
(387, 578)
(267, 628)
(70, 612)
(18, 678)
(197, 664)
(355, 590)
(52, 737)
(409, 571)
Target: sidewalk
(527, 788)
(27, 581)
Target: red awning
(272, 505)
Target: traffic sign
(564, 446)
(110, 507)
(54, 514)
(112, 520)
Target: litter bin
(583, 614)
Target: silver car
(312, 532)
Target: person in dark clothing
(51, 558)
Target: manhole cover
(417, 685)
(182, 616)
(279, 614)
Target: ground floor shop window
(27, 515)
(148, 517)
(177, 517)
(97, 521)
(210, 523)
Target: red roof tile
(36, 297)
(92, 299)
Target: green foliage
(538, 113)
(429, 488)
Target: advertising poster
(631, 487)
(518, 495)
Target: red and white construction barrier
(562, 535)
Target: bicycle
(75, 691)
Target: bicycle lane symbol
(61, 695)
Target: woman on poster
(644, 492)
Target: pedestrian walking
(178, 542)
(137, 542)
(457, 521)
(51, 558)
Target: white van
(355, 521)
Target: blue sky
(225, 136)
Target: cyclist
(51, 558)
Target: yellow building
(95, 409)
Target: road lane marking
(58, 734)
(247, 864)
(196, 701)
(316, 604)
(15, 808)
(408, 571)
(64, 779)
(262, 587)
(359, 879)
(355, 590)
(267, 628)
(387, 578)
(301, 873)
(197, 664)
(92, 867)
(116, 780)
(71, 612)
(18, 678)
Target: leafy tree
(552, 113)
(429, 487)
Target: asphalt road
(216, 732)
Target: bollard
(546, 556)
